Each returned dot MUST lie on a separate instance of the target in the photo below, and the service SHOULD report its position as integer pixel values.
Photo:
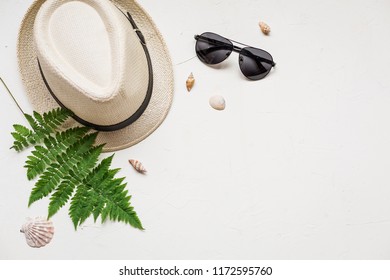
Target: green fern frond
(21, 136)
(70, 182)
(68, 170)
(119, 209)
(42, 126)
(43, 157)
(61, 196)
(22, 130)
(66, 162)
(41, 123)
(82, 206)
(102, 194)
(56, 117)
(32, 122)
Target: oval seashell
(264, 28)
(190, 82)
(38, 232)
(137, 165)
(217, 102)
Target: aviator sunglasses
(212, 48)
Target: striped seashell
(38, 232)
(264, 28)
(190, 82)
(137, 165)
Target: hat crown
(78, 36)
(92, 59)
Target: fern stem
(9, 92)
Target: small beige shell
(217, 102)
(137, 165)
(38, 232)
(264, 28)
(190, 82)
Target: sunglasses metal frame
(235, 48)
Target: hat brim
(163, 84)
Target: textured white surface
(296, 166)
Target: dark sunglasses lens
(255, 64)
(212, 48)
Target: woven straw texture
(162, 95)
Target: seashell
(217, 102)
(38, 232)
(137, 165)
(264, 28)
(190, 82)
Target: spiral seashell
(38, 232)
(137, 165)
(264, 28)
(217, 102)
(190, 82)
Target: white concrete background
(296, 167)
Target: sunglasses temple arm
(215, 42)
(271, 62)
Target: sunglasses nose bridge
(236, 48)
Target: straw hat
(104, 60)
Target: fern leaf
(35, 126)
(49, 141)
(66, 165)
(42, 123)
(119, 209)
(97, 209)
(56, 172)
(103, 195)
(79, 206)
(102, 171)
(46, 184)
(42, 126)
(35, 164)
(20, 135)
(98, 176)
(43, 157)
(17, 146)
(22, 130)
(61, 196)
(67, 186)
(56, 117)
(20, 141)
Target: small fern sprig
(42, 156)
(68, 169)
(42, 126)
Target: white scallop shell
(38, 232)
(137, 165)
(217, 102)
